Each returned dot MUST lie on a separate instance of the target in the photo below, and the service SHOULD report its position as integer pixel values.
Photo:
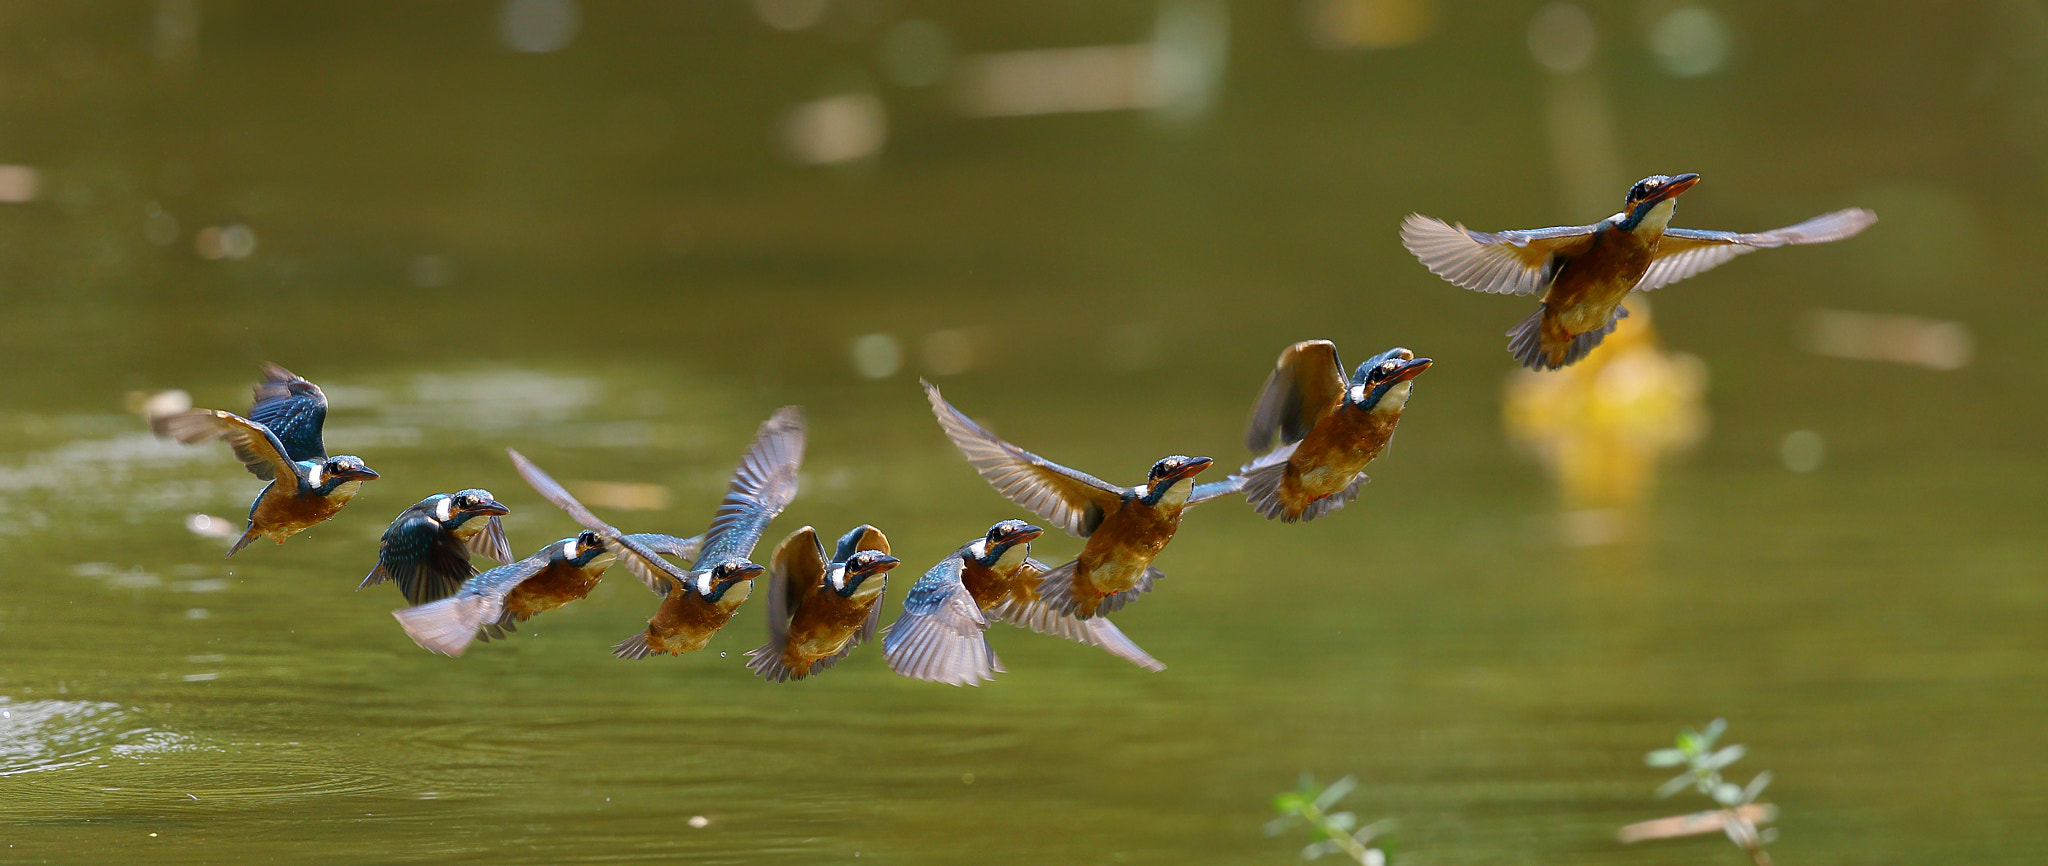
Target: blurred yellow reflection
(1599, 427)
(1351, 24)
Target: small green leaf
(1336, 792)
(1756, 786)
(1677, 784)
(1714, 730)
(1666, 758)
(1727, 756)
(1727, 794)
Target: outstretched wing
(939, 636)
(1503, 263)
(491, 543)
(859, 538)
(447, 626)
(764, 484)
(1306, 384)
(659, 574)
(1073, 501)
(254, 444)
(1684, 252)
(1228, 486)
(797, 568)
(294, 409)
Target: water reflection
(1600, 427)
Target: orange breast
(1585, 293)
(1117, 554)
(988, 588)
(821, 627)
(685, 623)
(560, 584)
(283, 513)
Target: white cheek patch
(569, 549)
(444, 509)
(978, 549)
(838, 578)
(704, 584)
(1396, 397)
(316, 476)
(1358, 393)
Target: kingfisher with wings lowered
(1583, 272)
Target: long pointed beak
(1411, 369)
(1193, 467)
(491, 507)
(750, 571)
(882, 564)
(365, 473)
(1026, 535)
(1676, 187)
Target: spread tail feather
(634, 647)
(1057, 591)
(244, 541)
(766, 660)
(1525, 341)
(446, 626)
(1262, 479)
(1335, 500)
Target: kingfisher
(641, 559)
(306, 486)
(700, 604)
(1125, 526)
(426, 549)
(1584, 272)
(819, 610)
(1329, 428)
(941, 635)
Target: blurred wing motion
(491, 543)
(427, 564)
(764, 484)
(796, 569)
(1684, 252)
(939, 636)
(659, 574)
(449, 625)
(1502, 263)
(294, 409)
(254, 444)
(1036, 615)
(1307, 382)
(1073, 501)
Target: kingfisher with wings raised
(1126, 527)
(280, 442)
(1584, 272)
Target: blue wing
(939, 637)
(294, 409)
(254, 444)
(763, 486)
(426, 561)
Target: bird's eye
(464, 502)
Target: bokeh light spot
(836, 129)
(790, 14)
(1562, 37)
(1339, 25)
(538, 26)
(1690, 41)
(877, 356)
(1802, 450)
